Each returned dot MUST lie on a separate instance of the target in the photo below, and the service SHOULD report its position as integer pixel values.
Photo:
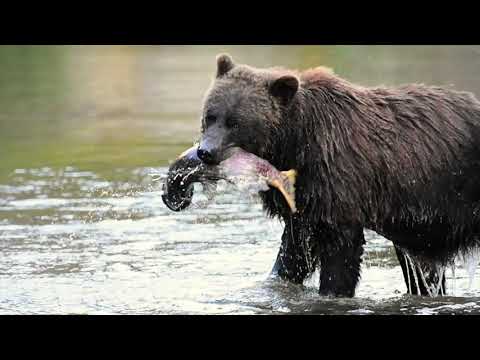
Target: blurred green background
(100, 108)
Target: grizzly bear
(401, 161)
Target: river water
(87, 131)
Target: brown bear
(403, 162)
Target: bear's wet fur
(402, 161)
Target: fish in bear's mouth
(238, 165)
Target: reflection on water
(82, 225)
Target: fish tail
(289, 179)
(291, 175)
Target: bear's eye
(210, 119)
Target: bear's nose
(206, 156)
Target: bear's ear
(224, 64)
(285, 88)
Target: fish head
(178, 186)
(183, 173)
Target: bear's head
(245, 108)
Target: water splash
(454, 278)
(411, 265)
(470, 261)
(433, 289)
(441, 269)
(408, 274)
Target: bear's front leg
(340, 258)
(296, 258)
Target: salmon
(246, 166)
(238, 167)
